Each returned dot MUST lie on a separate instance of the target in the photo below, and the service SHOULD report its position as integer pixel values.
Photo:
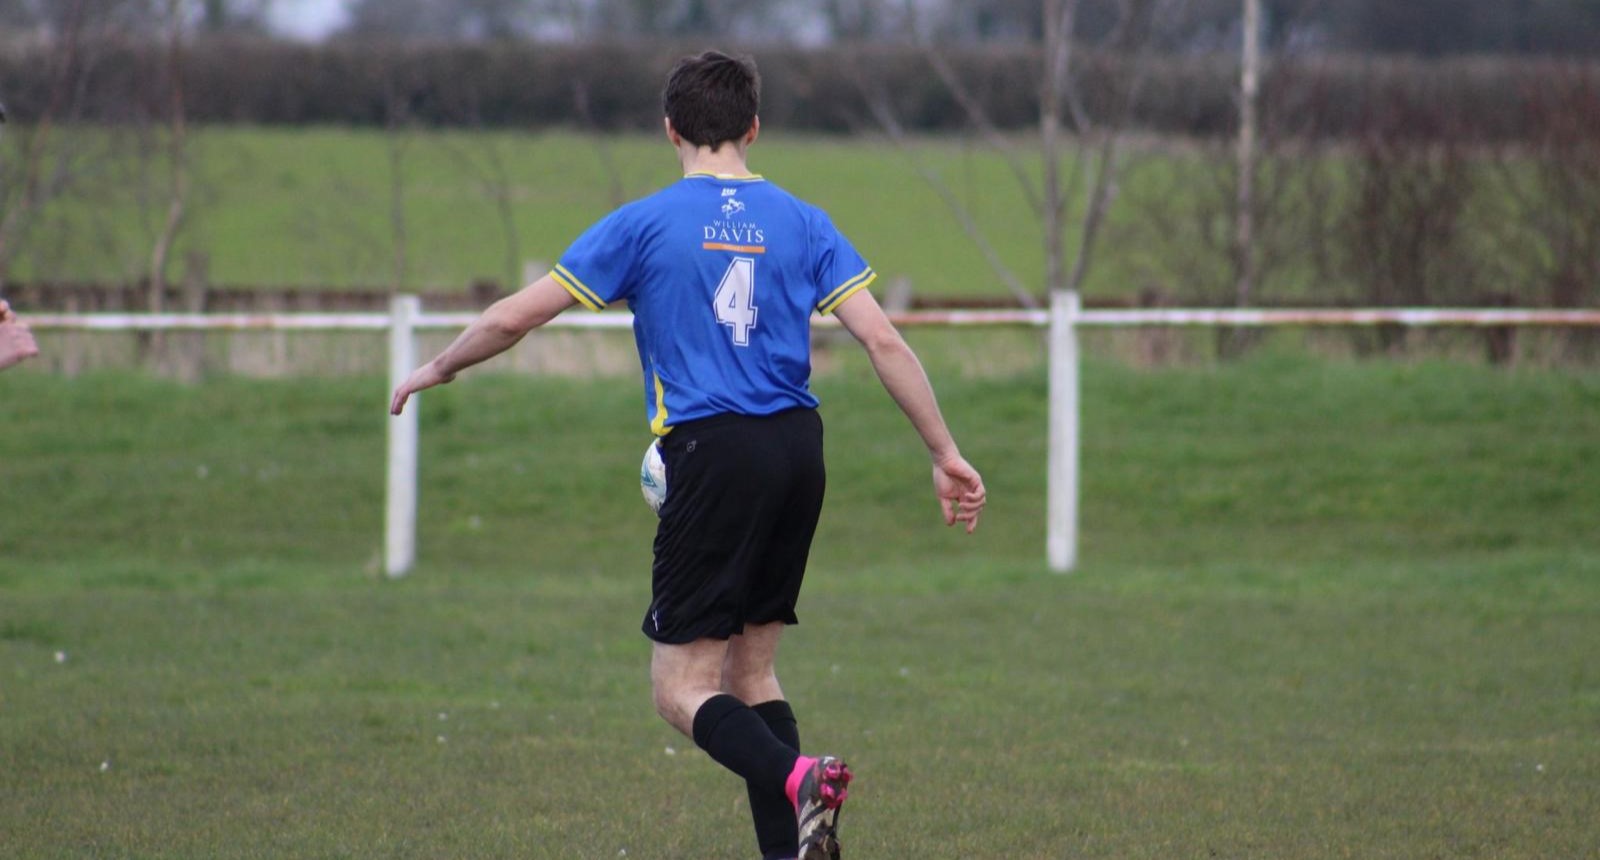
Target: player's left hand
(960, 491)
(16, 341)
(424, 377)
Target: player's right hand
(426, 376)
(960, 491)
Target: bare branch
(501, 190)
(1057, 87)
(883, 112)
(1061, 35)
(602, 145)
(177, 159)
(1245, 195)
(1055, 208)
(1099, 204)
(986, 127)
(487, 164)
(1132, 33)
(63, 87)
(398, 119)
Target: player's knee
(661, 696)
(750, 684)
(671, 703)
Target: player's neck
(727, 160)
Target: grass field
(314, 207)
(1326, 609)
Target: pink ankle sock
(791, 787)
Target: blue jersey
(722, 274)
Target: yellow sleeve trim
(658, 424)
(585, 296)
(845, 291)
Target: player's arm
(16, 341)
(957, 484)
(499, 328)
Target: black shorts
(743, 496)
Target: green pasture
(318, 207)
(1326, 609)
(437, 209)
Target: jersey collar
(751, 177)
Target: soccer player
(723, 271)
(16, 341)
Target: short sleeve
(838, 271)
(597, 269)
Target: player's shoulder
(810, 212)
(777, 190)
(641, 212)
(654, 201)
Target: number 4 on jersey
(735, 299)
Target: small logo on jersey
(734, 231)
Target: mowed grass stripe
(1327, 609)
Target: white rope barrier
(1130, 318)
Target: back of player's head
(712, 98)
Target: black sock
(740, 741)
(773, 813)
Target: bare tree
(482, 155)
(1547, 233)
(1226, 220)
(600, 141)
(233, 16)
(57, 155)
(883, 112)
(31, 187)
(1413, 180)
(177, 152)
(398, 141)
(1064, 117)
(870, 20)
(1555, 187)
(1101, 148)
(462, 19)
(1249, 102)
(1232, 341)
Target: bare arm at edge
(16, 341)
(498, 329)
(957, 484)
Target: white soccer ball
(653, 477)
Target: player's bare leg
(747, 672)
(817, 787)
(687, 685)
(748, 666)
(684, 677)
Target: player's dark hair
(712, 98)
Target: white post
(400, 525)
(1244, 228)
(1062, 512)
